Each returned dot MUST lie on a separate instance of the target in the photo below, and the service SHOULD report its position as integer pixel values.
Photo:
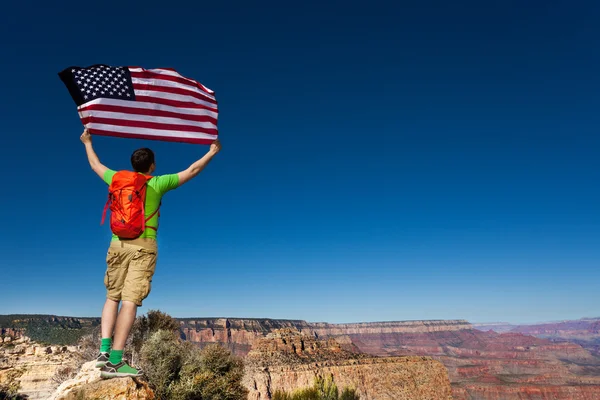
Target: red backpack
(126, 198)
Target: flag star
(128, 95)
(94, 94)
(103, 92)
(111, 93)
(79, 72)
(85, 84)
(79, 82)
(85, 97)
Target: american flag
(133, 102)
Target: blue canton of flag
(102, 81)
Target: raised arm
(199, 165)
(93, 159)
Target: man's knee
(129, 304)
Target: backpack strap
(152, 215)
(106, 208)
(148, 177)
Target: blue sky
(381, 161)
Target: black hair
(142, 159)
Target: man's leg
(125, 321)
(109, 317)
(136, 287)
(114, 278)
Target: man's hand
(215, 147)
(86, 137)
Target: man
(131, 263)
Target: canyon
(584, 331)
(287, 360)
(481, 363)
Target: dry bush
(178, 370)
(144, 326)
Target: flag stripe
(149, 112)
(162, 83)
(173, 103)
(149, 131)
(184, 81)
(110, 115)
(186, 113)
(177, 97)
(182, 139)
(148, 125)
(172, 72)
(178, 94)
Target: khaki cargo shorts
(130, 266)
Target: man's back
(158, 186)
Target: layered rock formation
(36, 365)
(239, 334)
(288, 359)
(585, 331)
(236, 334)
(487, 365)
(380, 328)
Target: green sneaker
(102, 359)
(122, 369)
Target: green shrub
(322, 389)
(144, 326)
(178, 370)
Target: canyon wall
(488, 365)
(288, 360)
(239, 334)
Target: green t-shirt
(157, 187)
